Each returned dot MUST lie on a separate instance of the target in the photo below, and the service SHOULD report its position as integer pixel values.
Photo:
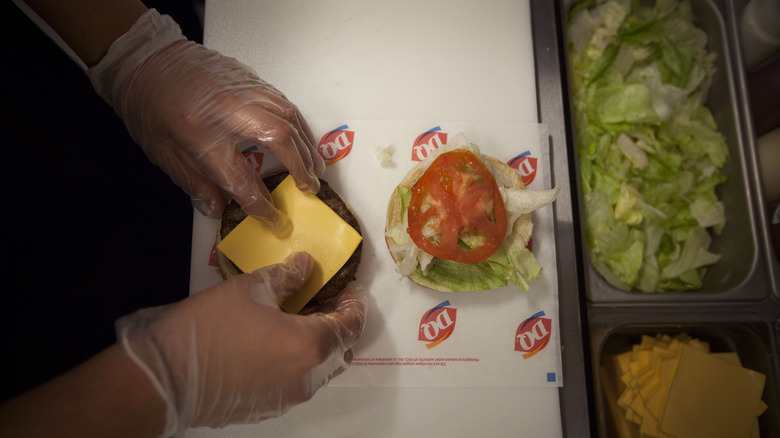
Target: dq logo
(213, 255)
(336, 144)
(437, 324)
(533, 335)
(525, 165)
(428, 142)
(254, 156)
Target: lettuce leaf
(458, 277)
(512, 263)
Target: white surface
(393, 60)
(408, 412)
(399, 60)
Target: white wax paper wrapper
(417, 337)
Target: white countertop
(402, 60)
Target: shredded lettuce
(515, 263)
(458, 277)
(512, 263)
(406, 196)
(650, 154)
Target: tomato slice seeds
(457, 197)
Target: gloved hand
(230, 355)
(190, 107)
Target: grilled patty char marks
(234, 214)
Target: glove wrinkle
(131, 334)
(151, 32)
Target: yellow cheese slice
(638, 406)
(649, 426)
(699, 345)
(626, 397)
(647, 342)
(316, 229)
(683, 337)
(730, 357)
(626, 378)
(756, 432)
(733, 358)
(711, 397)
(623, 360)
(762, 407)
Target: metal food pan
(735, 8)
(754, 342)
(742, 272)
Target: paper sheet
(417, 337)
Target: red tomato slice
(457, 199)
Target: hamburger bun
(234, 215)
(504, 175)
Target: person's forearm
(109, 395)
(89, 26)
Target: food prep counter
(737, 310)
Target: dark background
(93, 230)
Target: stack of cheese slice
(675, 387)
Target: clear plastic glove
(190, 108)
(230, 355)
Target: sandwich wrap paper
(417, 337)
